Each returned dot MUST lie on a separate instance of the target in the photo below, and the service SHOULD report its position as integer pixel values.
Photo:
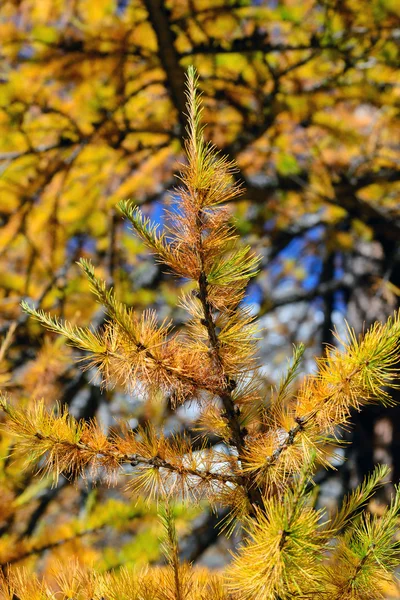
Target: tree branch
(323, 289)
(136, 459)
(169, 58)
(49, 546)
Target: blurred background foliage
(305, 97)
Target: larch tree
(272, 441)
(304, 98)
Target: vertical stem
(232, 412)
(173, 550)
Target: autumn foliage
(271, 442)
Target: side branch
(160, 463)
(115, 458)
(345, 380)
